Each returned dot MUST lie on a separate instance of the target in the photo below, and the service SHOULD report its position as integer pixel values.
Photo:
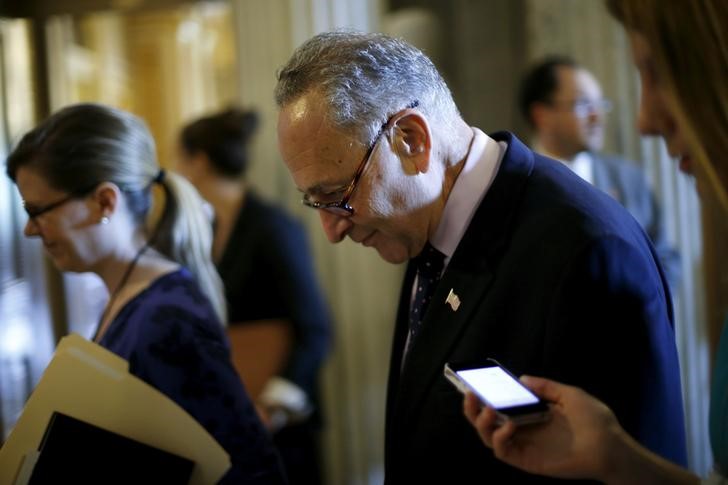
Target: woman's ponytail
(184, 234)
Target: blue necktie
(429, 265)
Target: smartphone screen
(497, 387)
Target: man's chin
(392, 256)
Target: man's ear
(107, 197)
(413, 140)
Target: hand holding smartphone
(496, 387)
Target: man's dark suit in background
(626, 182)
(564, 105)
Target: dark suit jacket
(627, 184)
(555, 279)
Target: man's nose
(646, 117)
(335, 227)
(596, 115)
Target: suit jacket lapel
(470, 274)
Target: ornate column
(362, 290)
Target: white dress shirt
(476, 177)
(582, 164)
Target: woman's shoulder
(173, 304)
(177, 295)
(176, 287)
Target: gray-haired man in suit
(509, 255)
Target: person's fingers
(486, 424)
(471, 407)
(501, 439)
(545, 388)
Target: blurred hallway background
(170, 61)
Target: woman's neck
(112, 269)
(127, 278)
(225, 195)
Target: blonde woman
(681, 51)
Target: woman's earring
(104, 220)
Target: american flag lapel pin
(453, 300)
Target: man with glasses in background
(564, 105)
(510, 256)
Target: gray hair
(365, 78)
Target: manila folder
(90, 383)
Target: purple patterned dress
(173, 340)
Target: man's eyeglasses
(583, 107)
(33, 211)
(341, 206)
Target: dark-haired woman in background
(278, 322)
(86, 175)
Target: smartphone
(495, 386)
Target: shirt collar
(476, 177)
(581, 164)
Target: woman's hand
(576, 442)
